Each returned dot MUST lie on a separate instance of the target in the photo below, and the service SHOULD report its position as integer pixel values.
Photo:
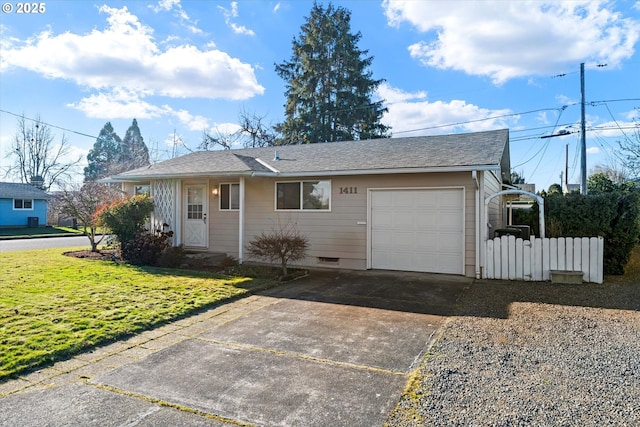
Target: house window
(144, 189)
(303, 195)
(194, 203)
(23, 204)
(229, 196)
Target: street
(43, 243)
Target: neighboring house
(414, 204)
(22, 205)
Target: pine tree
(133, 151)
(102, 158)
(329, 86)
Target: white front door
(196, 230)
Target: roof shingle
(14, 190)
(424, 152)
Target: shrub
(125, 218)
(152, 248)
(283, 246)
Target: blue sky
(183, 66)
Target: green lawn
(53, 306)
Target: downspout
(241, 223)
(474, 176)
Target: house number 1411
(348, 190)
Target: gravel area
(532, 354)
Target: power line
(48, 124)
(480, 120)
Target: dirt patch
(102, 255)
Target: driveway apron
(335, 348)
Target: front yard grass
(54, 306)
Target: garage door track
(335, 348)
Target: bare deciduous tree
(254, 131)
(631, 150)
(82, 202)
(37, 158)
(210, 141)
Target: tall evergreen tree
(102, 158)
(133, 151)
(329, 86)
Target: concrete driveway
(335, 348)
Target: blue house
(22, 205)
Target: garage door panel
(402, 219)
(418, 230)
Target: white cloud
(179, 12)
(505, 40)
(193, 123)
(229, 14)
(593, 150)
(119, 103)
(124, 56)
(413, 114)
(122, 104)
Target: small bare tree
(36, 158)
(210, 140)
(82, 203)
(282, 245)
(254, 132)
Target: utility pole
(583, 137)
(566, 167)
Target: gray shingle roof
(463, 151)
(13, 190)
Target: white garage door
(418, 230)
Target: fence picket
(593, 259)
(526, 260)
(504, 259)
(553, 253)
(488, 271)
(512, 257)
(569, 254)
(537, 260)
(585, 258)
(577, 254)
(600, 277)
(519, 259)
(561, 254)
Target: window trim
(230, 208)
(23, 208)
(301, 183)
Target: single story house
(22, 205)
(411, 204)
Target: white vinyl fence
(508, 258)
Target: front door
(196, 233)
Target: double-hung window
(229, 197)
(23, 204)
(304, 195)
